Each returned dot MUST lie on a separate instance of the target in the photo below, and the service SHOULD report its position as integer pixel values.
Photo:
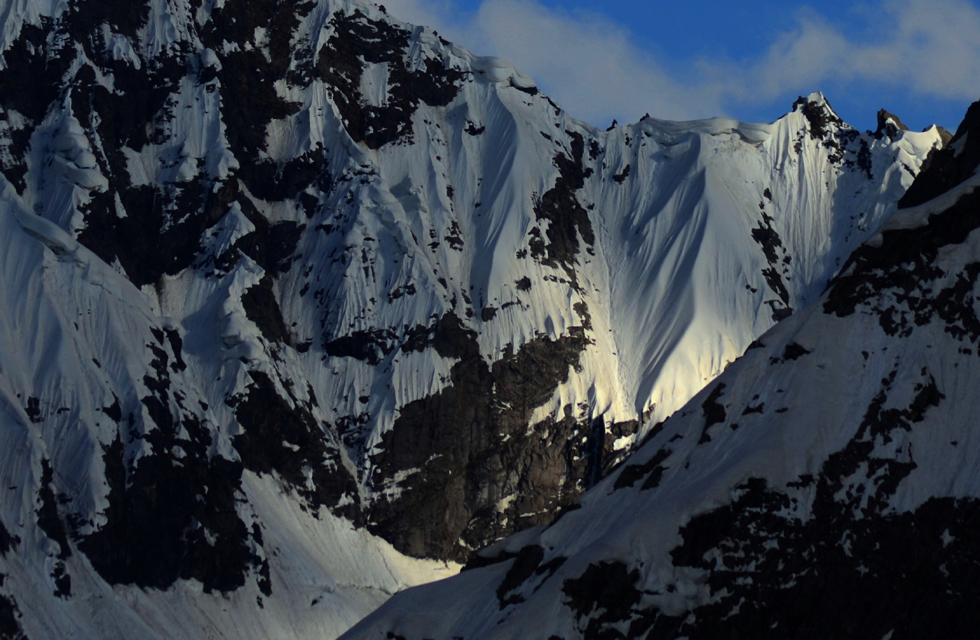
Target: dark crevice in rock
(714, 412)
(594, 453)
(262, 308)
(772, 246)
(48, 518)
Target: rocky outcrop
(481, 467)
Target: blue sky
(748, 60)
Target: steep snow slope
(292, 288)
(825, 486)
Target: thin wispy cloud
(595, 69)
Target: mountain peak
(889, 124)
(821, 116)
(945, 168)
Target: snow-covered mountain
(294, 293)
(825, 486)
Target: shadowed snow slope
(294, 294)
(824, 486)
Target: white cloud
(587, 63)
(932, 47)
(594, 69)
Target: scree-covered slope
(301, 305)
(825, 486)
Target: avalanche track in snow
(302, 304)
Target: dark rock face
(50, 522)
(159, 528)
(772, 246)
(816, 588)
(820, 117)
(652, 470)
(470, 446)
(922, 293)
(368, 346)
(172, 512)
(7, 541)
(358, 41)
(714, 413)
(825, 557)
(10, 615)
(606, 592)
(158, 230)
(525, 565)
(889, 124)
(262, 308)
(950, 166)
(567, 218)
(286, 439)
